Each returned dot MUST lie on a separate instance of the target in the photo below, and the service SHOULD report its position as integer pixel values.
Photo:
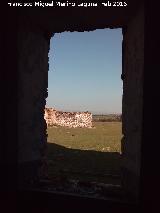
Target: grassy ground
(107, 118)
(85, 154)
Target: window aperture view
(83, 110)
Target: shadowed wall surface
(34, 30)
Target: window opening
(83, 110)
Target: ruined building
(68, 119)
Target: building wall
(32, 90)
(133, 68)
(33, 48)
(68, 119)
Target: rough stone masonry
(68, 119)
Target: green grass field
(86, 154)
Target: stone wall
(69, 119)
(33, 50)
(132, 104)
(33, 47)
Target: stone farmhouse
(68, 119)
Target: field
(107, 118)
(86, 154)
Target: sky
(85, 71)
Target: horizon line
(93, 112)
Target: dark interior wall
(8, 91)
(133, 70)
(33, 49)
(8, 105)
(32, 44)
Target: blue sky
(85, 71)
